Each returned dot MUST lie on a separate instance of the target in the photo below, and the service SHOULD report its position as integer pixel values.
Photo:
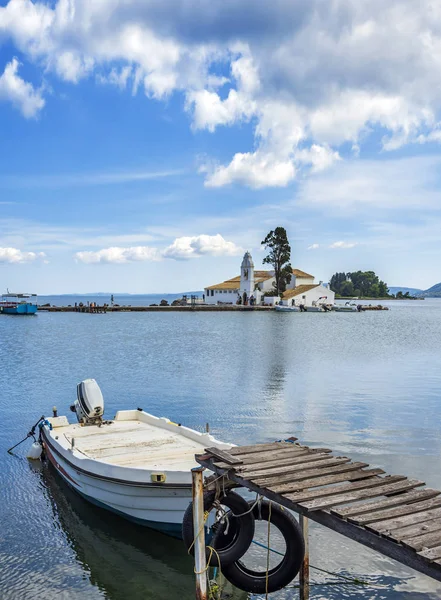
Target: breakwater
(198, 307)
(105, 309)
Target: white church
(252, 287)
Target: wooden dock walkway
(392, 514)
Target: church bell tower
(247, 276)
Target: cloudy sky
(145, 145)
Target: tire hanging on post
(260, 582)
(229, 546)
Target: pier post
(199, 533)
(304, 569)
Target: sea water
(367, 385)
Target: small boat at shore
(136, 465)
(282, 308)
(18, 304)
(347, 307)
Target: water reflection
(121, 560)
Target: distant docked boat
(18, 304)
(282, 308)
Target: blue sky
(144, 146)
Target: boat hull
(158, 506)
(19, 309)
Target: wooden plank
(276, 470)
(324, 464)
(267, 464)
(369, 507)
(372, 492)
(389, 548)
(257, 457)
(237, 450)
(342, 489)
(399, 511)
(307, 473)
(431, 553)
(224, 455)
(410, 519)
(410, 531)
(326, 480)
(430, 540)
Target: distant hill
(433, 292)
(412, 291)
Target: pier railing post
(199, 533)
(304, 570)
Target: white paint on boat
(116, 465)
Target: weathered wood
(238, 450)
(393, 513)
(431, 553)
(326, 480)
(304, 569)
(224, 455)
(430, 540)
(307, 473)
(417, 529)
(406, 520)
(404, 555)
(372, 492)
(322, 464)
(256, 458)
(276, 470)
(268, 464)
(370, 507)
(343, 489)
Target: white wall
(304, 281)
(225, 296)
(271, 300)
(313, 296)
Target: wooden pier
(392, 514)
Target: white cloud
(343, 245)
(313, 247)
(256, 170)
(406, 183)
(18, 91)
(201, 245)
(73, 179)
(118, 255)
(182, 248)
(16, 256)
(309, 76)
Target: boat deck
(133, 444)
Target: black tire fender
(280, 576)
(231, 546)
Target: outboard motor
(89, 405)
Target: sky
(145, 145)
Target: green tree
(279, 255)
(359, 283)
(346, 289)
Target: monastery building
(252, 287)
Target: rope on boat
(30, 434)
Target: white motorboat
(282, 308)
(347, 307)
(136, 465)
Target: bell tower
(247, 276)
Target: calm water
(363, 384)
